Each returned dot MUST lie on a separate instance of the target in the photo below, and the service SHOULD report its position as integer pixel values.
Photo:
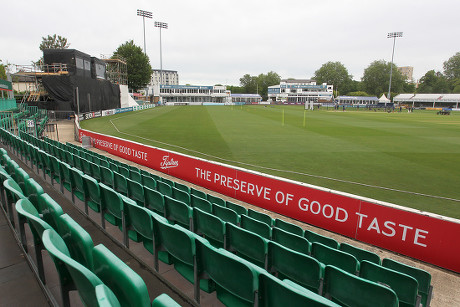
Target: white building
(239, 99)
(300, 91)
(166, 77)
(194, 95)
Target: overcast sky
(210, 42)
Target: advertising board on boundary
(420, 235)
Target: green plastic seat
(164, 188)
(135, 175)
(20, 176)
(181, 195)
(124, 171)
(127, 285)
(126, 221)
(274, 293)
(302, 269)
(154, 201)
(72, 274)
(210, 226)
(106, 176)
(350, 290)
(78, 188)
(290, 240)
(92, 194)
(236, 280)
(77, 240)
(178, 212)
(201, 203)
(95, 171)
(335, 257)
(169, 182)
(261, 217)
(246, 244)
(425, 288)
(119, 183)
(55, 171)
(237, 208)
(180, 244)
(86, 166)
(289, 227)
(66, 178)
(359, 253)
(33, 190)
(149, 182)
(198, 193)
(28, 213)
(405, 286)
(225, 214)
(78, 163)
(136, 191)
(112, 206)
(182, 187)
(256, 226)
(314, 237)
(49, 209)
(13, 193)
(142, 223)
(216, 200)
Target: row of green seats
(80, 265)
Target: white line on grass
(288, 171)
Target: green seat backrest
(201, 203)
(95, 171)
(237, 208)
(300, 268)
(335, 257)
(136, 191)
(226, 214)
(290, 240)
(135, 175)
(84, 280)
(77, 240)
(182, 187)
(112, 204)
(216, 200)
(246, 244)
(21, 176)
(359, 253)
(26, 209)
(178, 212)
(119, 183)
(212, 227)
(405, 286)
(123, 171)
(128, 286)
(274, 292)
(236, 280)
(92, 192)
(50, 210)
(314, 237)
(154, 200)
(198, 193)
(33, 190)
(86, 166)
(423, 277)
(149, 182)
(164, 188)
(350, 290)
(289, 227)
(76, 177)
(256, 227)
(181, 195)
(168, 182)
(106, 176)
(261, 217)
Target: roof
(298, 80)
(246, 95)
(373, 98)
(428, 97)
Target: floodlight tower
(161, 25)
(144, 14)
(392, 35)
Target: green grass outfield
(415, 152)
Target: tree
(334, 73)
(452, 67)
(139, 68)
(259, 84)
(433, 82)
(2, 71)
(54, 42)
(376, 79)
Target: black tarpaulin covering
(103, 95)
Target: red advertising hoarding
(421, 236)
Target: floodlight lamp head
(394, 34)
(163, 25)
(144, 13)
